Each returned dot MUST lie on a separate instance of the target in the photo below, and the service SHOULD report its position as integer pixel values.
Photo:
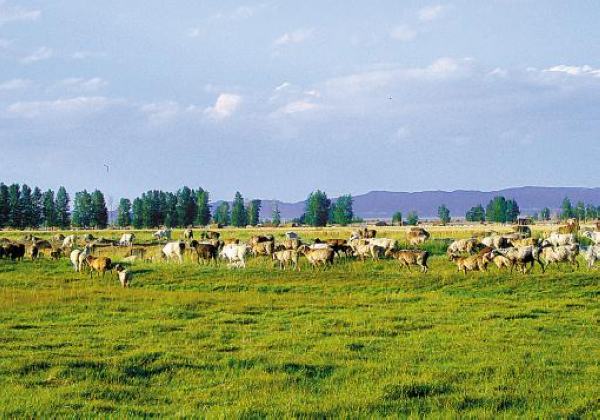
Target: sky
(278, 98)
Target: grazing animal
(408, 258)
(462, 246)
(34, 251)
(127, 239)
(496, 241)
(263, 248)
(317, 257)
(501, 262)
(162, 234)
(525, 242)
(256, 239)
(592, 255)
(559, 239)
(88, 237)
(15, 252)
(522, 257)
(98, 264)
(55, 254)
(210, 235)
(131, 259)
(188, 234)
(385, 243)
(125, 276)
(69, 241)
(42, 244)
(174, 250)
(291, 243)
(561, 254)
(59, 237)
(291, 235)
(78, 257)
(230, 241)
(287, 257)
(572, 226)
(417, 236)
(235, 254)
(204, 251)
(593, 236)
(473, 262)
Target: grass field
(358, 339)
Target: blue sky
(276, 99)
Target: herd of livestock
(507, 251)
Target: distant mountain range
(383, 204)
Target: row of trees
(240, 214)
(22, 207)
(498, 210)
(319, 210)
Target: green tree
(61, 208)
(341, 211)
(124, 213)
(276, 215)
(567, 211)
(203, 208)
(173, 210)
(37, 200)
(99, 212)
(580, 210)
(397, 218)
(545, 214)
(476, 214)
(82, 209)
(222, 216)
(15, 216)
(444, 214)
(4, 206)
(512, 211)
(496, 210)
(238, 211)
(317, 209)
(412, 218)
(27, 212)
(48, 209)
(137, 213)
(591, 212)
(186, 207)
(254, 212)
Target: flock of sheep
(508, 251)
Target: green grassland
(355, 340)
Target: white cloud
(83, 85)
(71, 106)
(15, 84)
(225, 106)
(298, 106)
(15, 13)
(575, 70)
(84, 55)
(195, 32)
(161, 112)
(403, 33)
(429, 13)
(295, 37)
(283, 86)
(42, 53)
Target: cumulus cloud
(161, 112)
(296, 37)
(575, 70)
(14, 13)
(298, 106)
(225, 106)
(403, 33)
(73, 106)
(15, 84)
(42, 53)
(430, 13)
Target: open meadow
(358, 339)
